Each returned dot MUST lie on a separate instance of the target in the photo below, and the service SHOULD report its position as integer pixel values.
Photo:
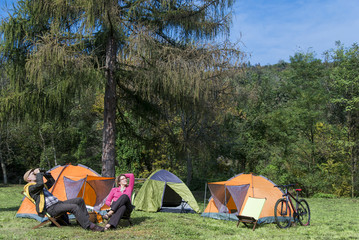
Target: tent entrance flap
(221, 196)
(238, 194)
(228, 198)
(170, 197)
(72, 187)
(101, 187)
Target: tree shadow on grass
(135, 221)
(9, 209)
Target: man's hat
(26, 175)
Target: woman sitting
(119, 200)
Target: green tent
(164, 191)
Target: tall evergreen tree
(55, 49)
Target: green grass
(331, 219)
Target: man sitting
(46, 202)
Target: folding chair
(251, 211)
(127, 216)
(50, 219)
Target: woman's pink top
(116, 191)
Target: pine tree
(54, 49)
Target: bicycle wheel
(303, 213)
(282, 213)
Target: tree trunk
(354, 165)
(353, 172)
(109, 125)
(354, 150)
(189, 167)
(44, 147)
(54, 150)
(3, 167)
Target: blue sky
(274, 30)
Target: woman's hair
(118, 179)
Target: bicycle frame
(289, 198)
(285, 205)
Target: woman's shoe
(108, 227)
(108, 215)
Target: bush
(324, 195)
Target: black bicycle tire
(279, 214)
(303, 204)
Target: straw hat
(26, 175)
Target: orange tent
(229, 197)
(71, 182)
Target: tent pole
(205, 196)
(83, 192)
(252, 185)
(58, 177)
(225, 200)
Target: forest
(140, 86)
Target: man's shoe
(96, 228)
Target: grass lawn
(330, 219)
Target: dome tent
(164, 191)
(70, 182)
(229, 197)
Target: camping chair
(127, 216)
(51, 219)
(251, 211)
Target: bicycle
(284, 207)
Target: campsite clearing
(331, 219)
